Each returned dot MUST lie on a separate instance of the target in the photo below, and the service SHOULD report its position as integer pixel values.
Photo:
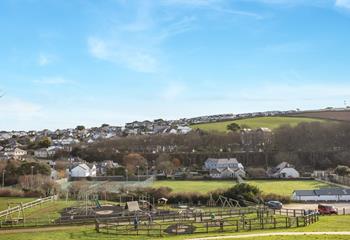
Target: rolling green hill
(268, 122)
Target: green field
(267, 186)
(326, 224)
(16, 200)
(268, 122)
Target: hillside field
(267, 186)
(330, 115)
(268, 122)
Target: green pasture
(16, 200)
(267, 122)
(280, 187)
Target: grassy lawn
(267, 186)
(5, 200)
(268, 122)
(40, 213)
(286, 188)
(302, 237)
(194, 186)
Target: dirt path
(271, 234)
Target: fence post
(286, 222)
(294, 213)
(237, 226)
(207, 227)
(97, 226)
(343, 211)
(250, 224)
(297, 221)
(274, 223)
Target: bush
(11, 192)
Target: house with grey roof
(325, 194)
(224, 168)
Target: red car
(327, 210)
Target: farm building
(327, 194)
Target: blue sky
(65, 63)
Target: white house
(327, 194)
(214, 163)
(16, 153)
(41, 153)
(83, 170)
(224, 168)
(283, 170)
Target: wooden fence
(207, 226)
(24, 206)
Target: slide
(98, 205)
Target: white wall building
(83, 170)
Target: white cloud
(221, 6)
(343, 4)
(18, 109)
(173, 91)
(131, 56)
(45, 59)
(56, 80)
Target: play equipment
(98, 205)
(15, 217)
(223, 202)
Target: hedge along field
(268, 122)
(280, 187)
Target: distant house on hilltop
(224, 168)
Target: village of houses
(213, 168)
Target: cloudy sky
(65, 63)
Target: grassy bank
(267, 122)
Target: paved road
(271, 234)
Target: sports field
(267, 186)
(268, 122)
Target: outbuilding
(326, 194)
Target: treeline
(308, 146)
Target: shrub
(11, 192)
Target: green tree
(342, 170)
(44, 142)
(234, 127)
(80, 128)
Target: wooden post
(286, 222)
(207, 227)
(250, 224)
(237, 226)
(297, 221)
(274, 223)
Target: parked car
(311, 212)
(274, 205)
(327, 209)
